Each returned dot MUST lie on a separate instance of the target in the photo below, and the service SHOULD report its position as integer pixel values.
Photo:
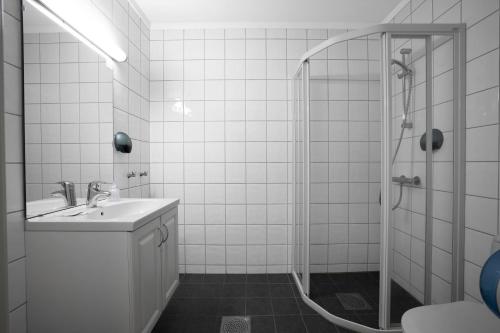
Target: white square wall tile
(235, 214)
(194, 234)
(15, 232)
(172, 50)
(216, 234)
(235, 234)
(215, 255)
(235, 49)
(195, 254)
(17, 283)
(256, 234)
(276, 254)
(256, 255)
(214, 49)
(477, 246)
(236, 255)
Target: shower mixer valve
(403, 180)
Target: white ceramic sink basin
(121, 209)
(122, 215)
(44, 206)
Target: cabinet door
(147, 272)
(170, 270)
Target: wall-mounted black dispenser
(437, 140)
(122, 142)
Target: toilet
(458, 317)
(463, 316)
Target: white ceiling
(265, 13)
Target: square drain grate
(235, 324)
(353, 301)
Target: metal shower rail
(409, 29)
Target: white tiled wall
(220, 140)
(13, 141)
(68, 114)
(482, 172)
(74, 105)
(345, 157)
(130, 96)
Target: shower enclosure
(378, 195)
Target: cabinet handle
(168, 233)
(161, 235)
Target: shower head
(406, 70)
(405, 51)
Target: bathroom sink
(122, 215)
(44, 206)
(121, 210)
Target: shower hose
(406, 107)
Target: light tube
(114, 53)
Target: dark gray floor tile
(235, 278)
(257, 278)
(262, 324)
(258, 306)
(281, 290)
(289, 324)
(214, 279)
(257, 290)
(318, 324)
(285, 306)
(231, 307)
(233, 290)
(205, 306)
(204, 324)
(278, 278)
(191, 278)
(170, 324)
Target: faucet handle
(67, 192)
(131, 174)
(96, 184)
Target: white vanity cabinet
(91, 280)
(147, 279)
(169, 262)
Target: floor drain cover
(353, 301)
(235, 324)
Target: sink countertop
(63, 221)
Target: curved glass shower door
(345, 179)
(373, 200)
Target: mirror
(68, 107)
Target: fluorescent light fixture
(84, 21)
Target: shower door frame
(387, 32)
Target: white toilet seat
(458, 317)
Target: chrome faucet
(68, 193)
(94, 193)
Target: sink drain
(235, 324)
